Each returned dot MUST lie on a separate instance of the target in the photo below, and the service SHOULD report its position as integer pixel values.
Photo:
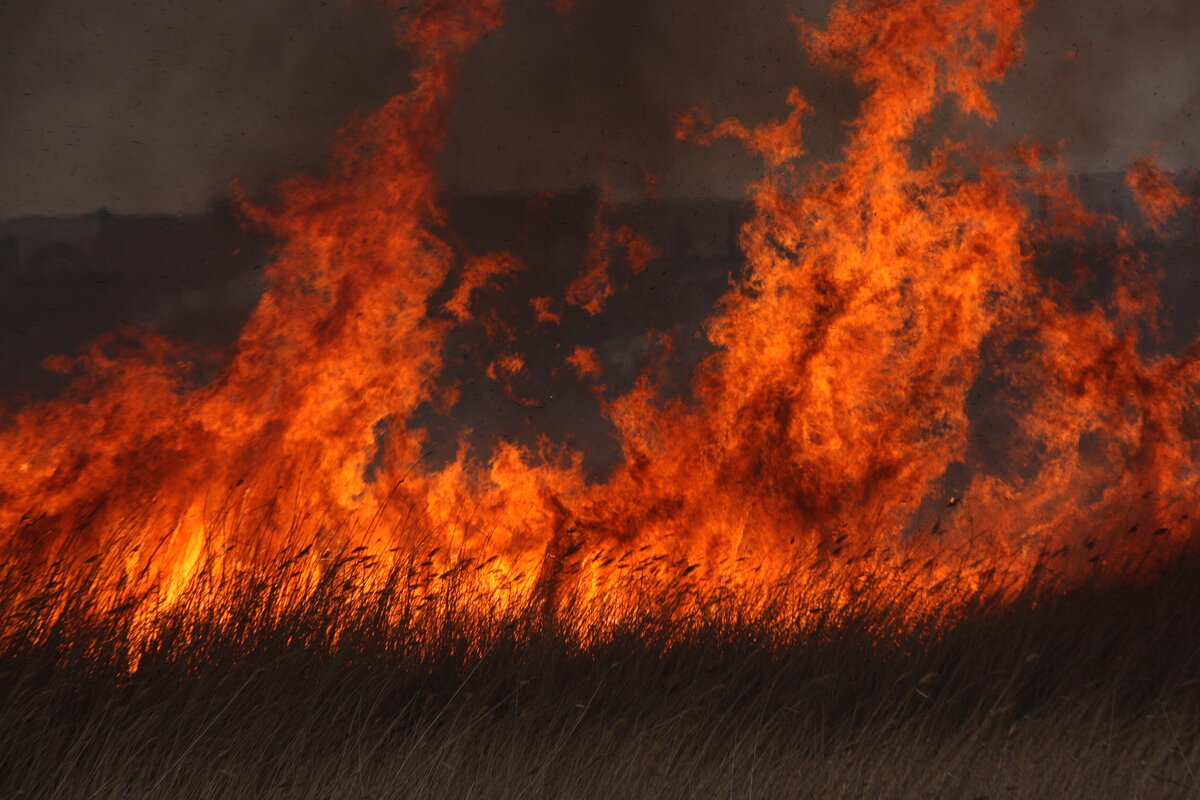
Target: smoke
(1110, 79)
(148, 107)
(156, 106)
(550, 102)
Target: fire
(594, 285)
(879, 294)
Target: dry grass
(1092, 693)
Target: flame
(1158, 198)
(586, 362)
(879, 295)
(593, 287)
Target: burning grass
(749, 604)
(263, 681)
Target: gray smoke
(156, 106)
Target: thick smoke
(1111, 79)
(156, 106)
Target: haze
(155, 107)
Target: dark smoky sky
(156, 105)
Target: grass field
(248, 686)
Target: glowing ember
(837, 399)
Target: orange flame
(840, 396)
(594, 285)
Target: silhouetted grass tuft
(255, 683)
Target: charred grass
(246, 691)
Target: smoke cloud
(156, 106)
(151, 106)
